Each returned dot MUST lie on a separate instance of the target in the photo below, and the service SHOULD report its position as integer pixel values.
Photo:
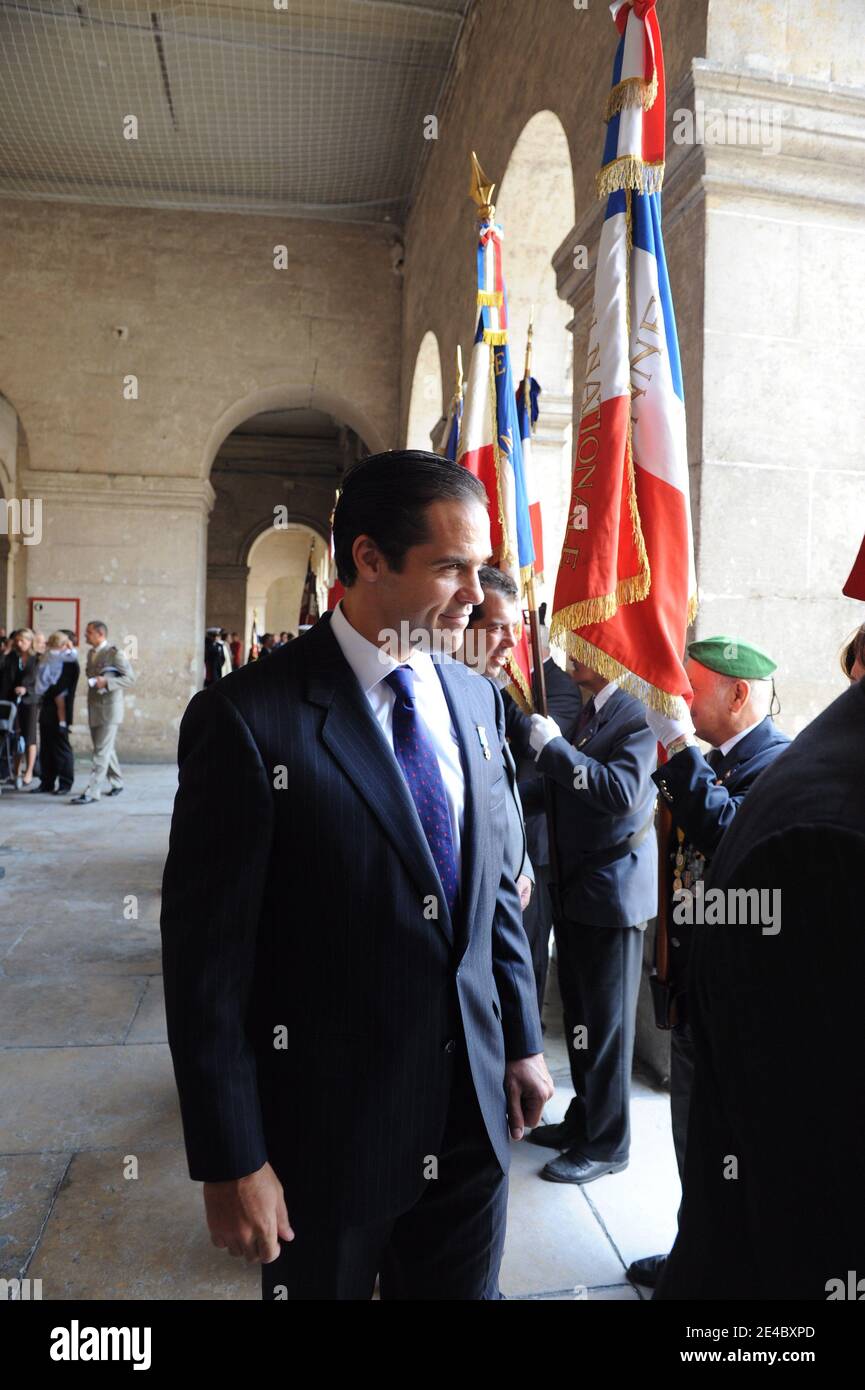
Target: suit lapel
(356, 740)
(471, 752)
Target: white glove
(666, 729)
(543, 729)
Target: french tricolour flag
(490, 438)
(626, 586)
(528, 392)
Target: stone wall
(190, 303)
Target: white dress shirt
(371, 664)
(604, 694)
(731, 742)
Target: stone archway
(274, 475)
(535, 205)
(426, 403)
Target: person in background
(853, 655)
(608, 859)
(731, 711)
(494, 621)
(56, 682)
(18, 684)
(108, 675)
(776, 1015)
(268, 642)
(235, 649)
(214, 656)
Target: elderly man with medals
(733, 694)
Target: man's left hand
(101, 682)
(529, 1086)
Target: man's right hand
(248, 1216)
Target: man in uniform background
(733, 690)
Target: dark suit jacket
(564, 703)
(322, 938)
(616, 753)
(779, 1037)
(66, 684)
(705, 811)
(516, 851)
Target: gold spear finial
(529, 335)
(482, 191)
(459, 373)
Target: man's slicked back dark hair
(386, 496)
(491, 578)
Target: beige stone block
(837, 528)
(149, 1025)
(772, 401)
(88, 1097)
(553, 1242)
(28, 1183)
(113, 1237)
(67, 1011)
(752, 276)
(832, 290)
(753, 532)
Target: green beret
(730, 657)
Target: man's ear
(741, 694)
(368, 559)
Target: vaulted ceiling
(308, 108)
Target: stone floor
(95, 1199)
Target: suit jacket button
(450, 1045)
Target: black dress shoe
(61, 791)
(45, 791)
(115, 791)
(573, 1166)
(647, 1271)
(560, 1136)
(82, 800)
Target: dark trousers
(599, 979)
(681, 1084)
(538, 923)
(447, 1246)
(55, 752)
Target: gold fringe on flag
(518, 686)
(633, 91)
(496, 337)
(630, 172)
(492, 299)
(693, 605)
(579, 649)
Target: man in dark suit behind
(776, 1017)
(563, 705)
(353, 1063)
(604, 817)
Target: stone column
(132, 549)
(226, 597)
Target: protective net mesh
(304, 107)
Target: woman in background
(18, 683)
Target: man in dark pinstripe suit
(350, 1060)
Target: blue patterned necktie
(417, 758)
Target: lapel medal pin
(482, 735)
